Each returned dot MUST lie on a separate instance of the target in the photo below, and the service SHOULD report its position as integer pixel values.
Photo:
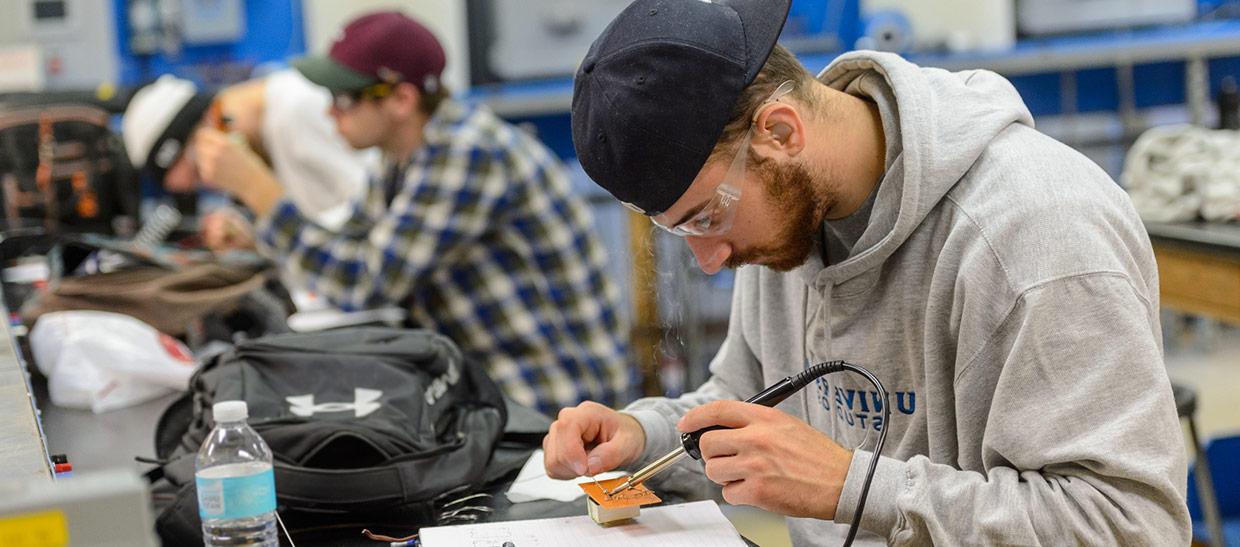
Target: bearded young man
(908, 220)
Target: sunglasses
(347, 100)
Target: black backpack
(367, 425)
(63, 169)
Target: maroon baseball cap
(386, 46)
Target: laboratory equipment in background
(166, 26)
(1060, 16)
(886, 30)
(534, 38)
(212, 21)
(511, 40)
(952, 25)
(72, 42)
(1228, 100)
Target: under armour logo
(363, 403)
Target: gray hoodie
(1005, 293)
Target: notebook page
(695, 524)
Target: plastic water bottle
(236, 486)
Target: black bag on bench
(367, 425)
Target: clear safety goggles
(716, 216)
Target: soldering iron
(772, 396)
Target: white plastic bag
(103, 361)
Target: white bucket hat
(159, 121)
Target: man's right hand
(226, 230)
(589, 439)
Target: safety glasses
(716, 216)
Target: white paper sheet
(532, 483)
(686, 525)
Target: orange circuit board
(632, 497)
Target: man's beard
(790, 189)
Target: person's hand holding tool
(232, 167)
(226, 230)
(589, 439)
(768, 459)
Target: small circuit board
(606, 509)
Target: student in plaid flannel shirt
(471, 225)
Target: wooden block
(604, 515)
(605, 509)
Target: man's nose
(711, 253)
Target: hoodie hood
(937, 124)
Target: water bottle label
(236, 497)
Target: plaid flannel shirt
(484, 242)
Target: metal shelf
(1150, 45)
(1193, 42)
(1214, 235)
(534, 98)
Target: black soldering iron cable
(803, 379)
(878, 449)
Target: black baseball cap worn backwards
(654, 92)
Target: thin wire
(466, 498)
(600, 487)
(463, 510)
(381, 537)
(285, 528)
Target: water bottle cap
(230, 411)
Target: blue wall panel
(1158, 84)
(1223, 68)
(1039, 91)
(554, 130)
(1096, 90)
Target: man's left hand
(232, 167)
(769, 459)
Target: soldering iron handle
(690, 441)
(770, 396)
(775, 394)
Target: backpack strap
(178, 470)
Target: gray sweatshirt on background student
(1003, 289)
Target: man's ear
(407, 97)
(779, 130)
